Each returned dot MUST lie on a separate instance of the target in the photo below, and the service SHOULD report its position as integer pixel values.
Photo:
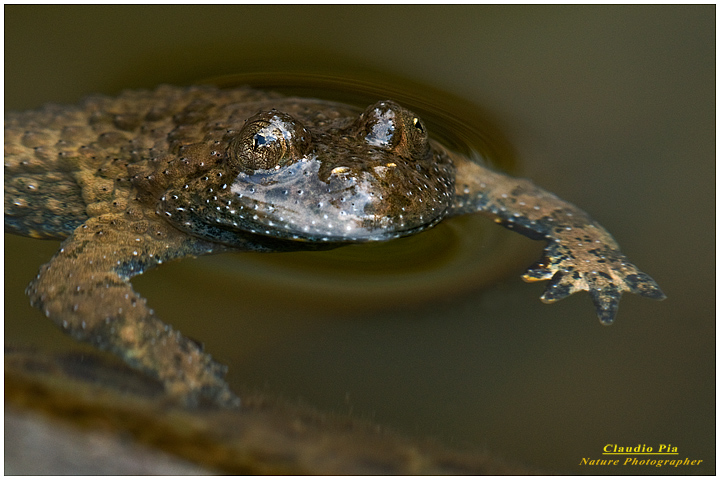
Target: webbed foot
(603, 272)
(580, 255)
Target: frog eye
(418, 125)
(417, 134)
(269, 140)
(260, 140)
(378, 126)
(389, 126)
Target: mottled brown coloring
(150, 176)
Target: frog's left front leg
(580, 255)
(85, 290)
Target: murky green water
(611, 108)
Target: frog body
(150, 176)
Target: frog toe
(217, 394)
(537, 272)
(563, 284)
(606, 303)
(642, 284)
(223, 397)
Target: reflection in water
(460, 254)
(457, 256)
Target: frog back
(65, 164)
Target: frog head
(308, 176)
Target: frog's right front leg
(85, 289)
(580, 254)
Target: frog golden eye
(417, 137)
(393, 128)
(260, 140)
(377, 125)
(268, 140)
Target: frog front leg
(85, 290)
(580, 254)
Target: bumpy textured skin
(580, 254)
(150, 176)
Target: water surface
(611, 108)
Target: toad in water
(151, 176)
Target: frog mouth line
(296, 203)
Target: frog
(150, 176)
